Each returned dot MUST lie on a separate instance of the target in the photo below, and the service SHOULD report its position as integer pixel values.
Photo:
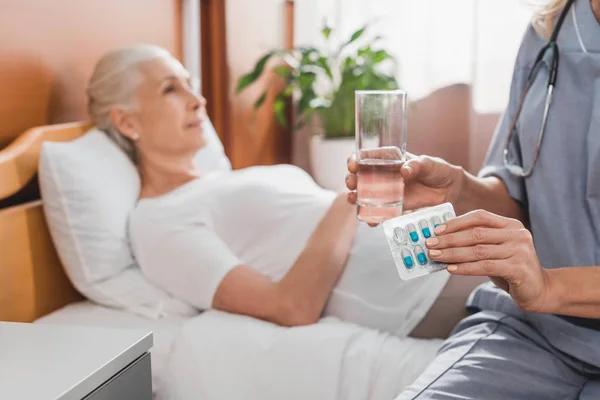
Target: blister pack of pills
(406, 237)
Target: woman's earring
(135, 136)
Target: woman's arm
(300, 296)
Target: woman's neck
(162, 175)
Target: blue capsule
(412, 232)
(407, 258)
(424, 229)
(435, 221)
(420, 255)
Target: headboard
(32, 279)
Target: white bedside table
(40, 361)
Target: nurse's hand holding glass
(428, 181)
(480, 242)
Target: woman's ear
(124, 123)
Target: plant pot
(328, 159)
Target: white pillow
(89, 186)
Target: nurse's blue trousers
(492, 355)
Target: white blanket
(217, 355)
(224, 356)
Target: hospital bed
(211, 355)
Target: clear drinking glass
(381, 151)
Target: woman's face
(169, 116)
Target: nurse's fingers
(477, 218)
(352, 164)
(351, 198)
(416, 166)
(478, 252)
(471, 237)
(351, 181)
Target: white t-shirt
(187, 240)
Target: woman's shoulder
(166, 212)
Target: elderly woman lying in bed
(262, 241)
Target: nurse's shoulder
(531, 43)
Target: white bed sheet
(87, 313)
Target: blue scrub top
(562, 195)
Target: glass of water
(381, 151)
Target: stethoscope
(540, 60)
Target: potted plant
(321, 83)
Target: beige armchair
(445, 125)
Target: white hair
(545, 15)
(113, 83)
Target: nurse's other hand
(429, 181)
(484, 244)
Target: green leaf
(245, 81)
(256, 73)
(357, 34)
(323, 63)
(365, 52)
(305, 101)
(282, 71)
(379, 56)
(289, 89)
(349, 63)
(306, 79)
(307, 49)
(326, 31)
(280, 110)
(260, 100)
(260, 65)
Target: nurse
(534, 331)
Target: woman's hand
(485, 244)
(428, 180)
